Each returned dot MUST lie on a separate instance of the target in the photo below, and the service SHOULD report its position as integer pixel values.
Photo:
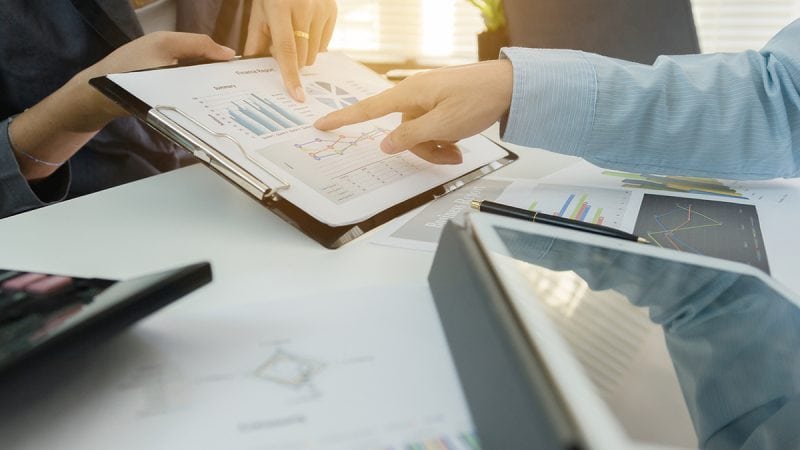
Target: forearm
(728, 116)
(57, 127)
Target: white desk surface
(191, 215)
(194, 215)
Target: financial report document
(339, 177)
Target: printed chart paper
(339, 177)
(369, 371)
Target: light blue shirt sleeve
(734, 116)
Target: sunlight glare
(438, 17)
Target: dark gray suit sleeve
(17, 194)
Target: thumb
(189, 45)
(410, 134)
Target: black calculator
(45, 318)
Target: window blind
(432, 32)
(439, 32)
(736, 25)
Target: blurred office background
(437, 32)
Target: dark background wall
(636, 30)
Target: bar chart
(255, 114)
(689, 185)
(464, 442)
(460, 441)
(599, 206)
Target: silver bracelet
(26, 154)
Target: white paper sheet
(421, 229)
(340, 177)
(752, 234)
(368, 371)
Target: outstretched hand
(153, 50)
(294, 32)
(439, 108)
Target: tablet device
(47, 319)
(569, 340)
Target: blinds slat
(391, 30)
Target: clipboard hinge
(158, 119)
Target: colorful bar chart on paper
(595, 205)
(463, 441)
(466, 441)
(253, 113)
(689, 185)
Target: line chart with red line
(708, 227)
(320, 148)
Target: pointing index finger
(285, 51)
(370, 108)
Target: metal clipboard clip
(158, 119)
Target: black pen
(535, 216)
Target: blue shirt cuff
(553, 102)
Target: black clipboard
(330, 236)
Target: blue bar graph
(259, 118)
(272, 114)
(585, 212)
(281, 110)
(566, 205)
(246, 122)
(260, 115)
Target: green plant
(492, 12)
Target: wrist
(32, 167)
(91, 110)
(50, 132)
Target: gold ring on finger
(302, 34)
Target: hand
(153, 50)
(275, 25)
(439, 108)
(55, 128)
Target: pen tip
(475, 204)
(642, 240)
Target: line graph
(707, 227)
(320, 148)
(344, 166)
(671, 235)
